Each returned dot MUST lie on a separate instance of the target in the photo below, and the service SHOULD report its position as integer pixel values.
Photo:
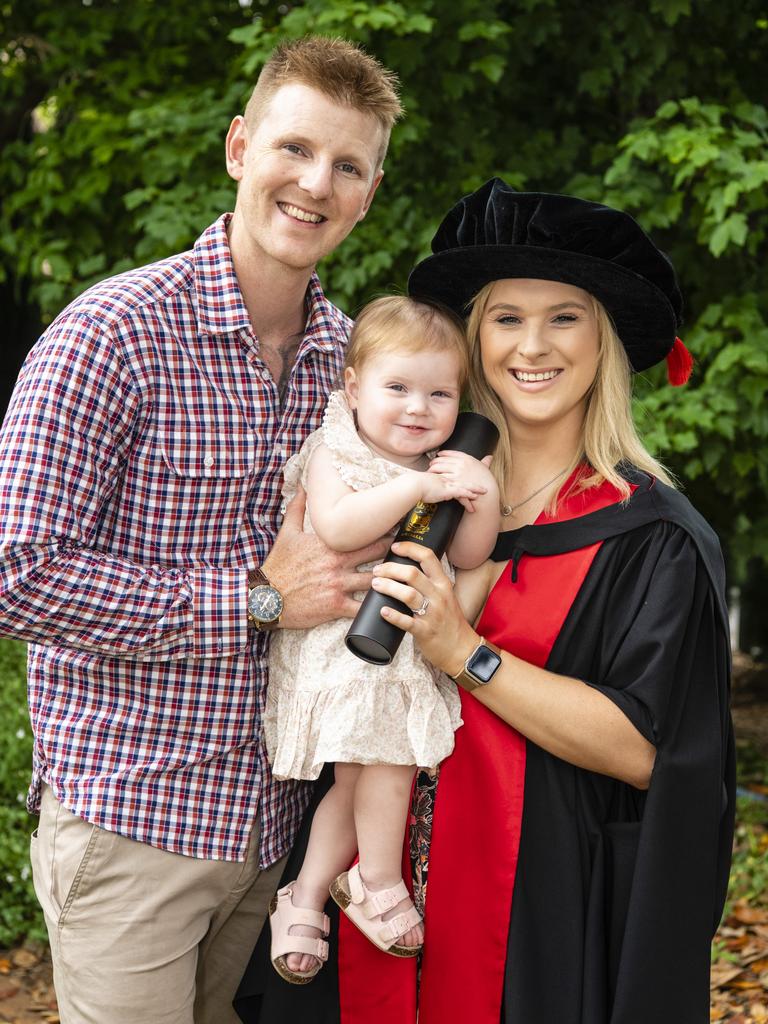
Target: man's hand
(316, 583)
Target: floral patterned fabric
(420, 832)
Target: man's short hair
(341, 70)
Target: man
(140, 473)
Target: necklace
(507, 510)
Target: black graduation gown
(617, 891)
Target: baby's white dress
(323, 703)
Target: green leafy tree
(696, 173)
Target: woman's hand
(443, 634)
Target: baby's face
(406, 402)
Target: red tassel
(679, 364)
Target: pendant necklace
(507, 510)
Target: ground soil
(26, 986)
(739, 989)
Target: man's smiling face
(307, 173)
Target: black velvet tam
(497, 233)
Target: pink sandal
(365, 908)
(283, 915)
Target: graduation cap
(498, 233)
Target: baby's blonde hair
(396, 323)
(609, 436)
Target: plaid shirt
(140, 475)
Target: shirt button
(208, 460)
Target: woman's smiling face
(539, 349)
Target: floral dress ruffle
(323, 703)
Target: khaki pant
(140, 935)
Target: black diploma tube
(371, 637)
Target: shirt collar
(220, 306)
(326, 324)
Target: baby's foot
(302, 963)
(414, 936)
(370, 903)
(286, 923)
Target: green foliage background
(112, 119)
(20, 915)
(114, 113)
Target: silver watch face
(265, 603)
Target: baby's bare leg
(382, 797)
(332, 847)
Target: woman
(582, 828)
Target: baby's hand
(460, 469)
(447, 484)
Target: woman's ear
(351, 387)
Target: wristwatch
(265, 602)
(480, 667)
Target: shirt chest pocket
(208, 456)
(208, 478)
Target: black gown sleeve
(650, 630)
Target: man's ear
(235, 147)
(351, 387)
(371, 193)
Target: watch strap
(258, 578)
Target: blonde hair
(398, 323)
(609, 436)
(337, 68)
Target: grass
(749, 870)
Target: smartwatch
(265, 602)
(480, 667)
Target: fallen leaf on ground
(8, 989)
(24, 958)
(749, 915)
(721, 974)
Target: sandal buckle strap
(394, 928)
(356, 888)
(385, 899)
